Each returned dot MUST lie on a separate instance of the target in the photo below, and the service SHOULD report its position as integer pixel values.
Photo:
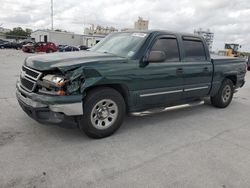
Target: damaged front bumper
(60, 110)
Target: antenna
(52, 15)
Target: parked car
(126, 72)
(47, 47)
(61, 47)
(66, 48)
(8, 44)
(3, 44)
(83, 47)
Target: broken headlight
(52, 85)
(55, 79)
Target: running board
(159, 110)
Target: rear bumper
(50, 109)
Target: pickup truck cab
(124, 73)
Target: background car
(65, 48)
(3, 44)
(61, 47)
(83, 47)
(47, 47)
(14, 44)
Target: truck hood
(68, 60)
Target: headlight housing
(55, 79)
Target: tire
(49, 51)
(104, 110)
(224, 96)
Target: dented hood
(68, 60)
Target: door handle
(179, 71)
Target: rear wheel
(224, 96)
(49, 51)
(104, 109)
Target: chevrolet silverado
(124, 73)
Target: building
(57, 37)
(141, 24)
(208, 36)
(99, 30)
(65, 38)
(91, 40)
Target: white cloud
(229, 20)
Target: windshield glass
(121, 44)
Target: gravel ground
(200, 146)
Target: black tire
(224, 96)
(49, 51)
(93, 127)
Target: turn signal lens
(60, 92)
(61, 83)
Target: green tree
(18, 32)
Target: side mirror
(156, 56)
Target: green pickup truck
(127, 72)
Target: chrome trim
(30, 78)
(29, 101)
(161, 93)
(71, 109)
(34, 86)
(196, 88)
(170, 108)
(39, 73)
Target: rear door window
(194, 50)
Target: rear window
(194, 50)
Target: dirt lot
(194, 147)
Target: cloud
(229, 20)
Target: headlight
(55, 79)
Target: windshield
(121, 44)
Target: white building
(57, 37)
(65, 38)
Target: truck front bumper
(60, 110)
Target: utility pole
(52, 15)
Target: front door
(160, 83)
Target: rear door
(197, 68)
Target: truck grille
(29, 78)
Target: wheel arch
(121, 88)
(233, 78)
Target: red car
(47, 47)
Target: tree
(18, 32)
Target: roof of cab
(163, 32)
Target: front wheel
(103, 109)
(224, 96)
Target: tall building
(208, 36)
(99, 30)
(141, 24)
